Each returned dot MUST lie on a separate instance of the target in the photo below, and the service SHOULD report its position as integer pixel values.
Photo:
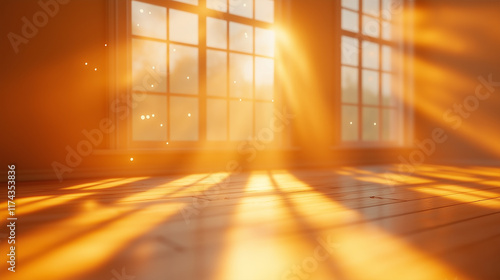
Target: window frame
(124, 138)
(118, 51)
(404, 111)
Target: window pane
(370, 87)
(350, 123)
(386, 58)
(216, 73)
(216, 33)
(264, 10)
(370, 124)
(371, 26)
(149, 117)
(240, 120)
(183, 69)
(387, 98)
(149, 66)
(263, 116)
(371, 7)
(149, 20)
(216, 120)
(264, 78)
(351, 4)
(386, 9)
(350, 21)
(192, 2)
(218, 5)
(397, 82)
(350, 51)
(390, 127)
(264, 42)
(370, 55)
(241, 75)
(240, 37)
(391, 8)
(349, 84)
(184, 118)
(183, 27)
(386, 31)
(242, 8)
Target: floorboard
(439, 222)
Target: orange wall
(48, 95)
(455, 43)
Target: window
(201, 70)
(371, 71)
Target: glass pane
(264, 42)
(216, 120)
(350, 21)
(351, 4)
(390, 127)
(264, 78)
(391, 9)
(349, 84)
(216, 73)
(240, 37)
(149, 117)
(149, 20)
(371, 7)
(371, 26)
(264, 10)
(218, 5)
(397, 83)
(370, 124)
(387, 98)
(216, 33)
(183, 27)
(184, 116)
(386, 31)
(350, 123)
(241, 75)
(370, 55)
(350, 51)
(183, 69)
(386, 58)
(386, 9)
(242, 8)
(149, 66)
(192, 2)
(240, 120)
(263, 116)
(370, 87)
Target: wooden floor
(440, 222)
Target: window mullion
(254, 105)
(380, 58)
(228, 82)
(169, 120)
(202, 72)
(360, 71)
